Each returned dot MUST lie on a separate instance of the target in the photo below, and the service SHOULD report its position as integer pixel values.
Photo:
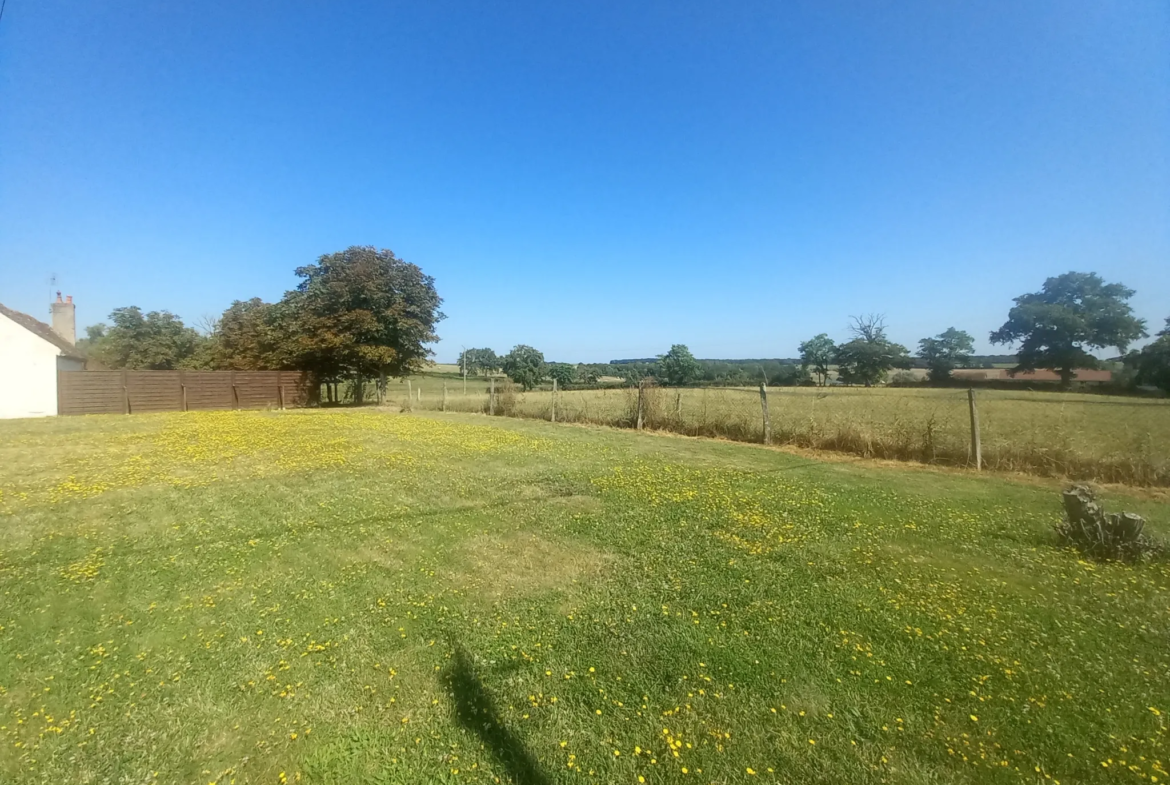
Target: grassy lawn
(1106, 438)
(350, 596)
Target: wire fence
(1079, 436)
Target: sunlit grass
(354, 596)
(1106, 438)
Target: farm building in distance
(31, 353)
(1083, 375)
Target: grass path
(350, 596)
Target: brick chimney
(64, 318)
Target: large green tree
(157, 341)
(818, 353)
(945, 352)
(1153, 361)
(564, 373)
(678, 367)
(479, 361)
(252, 335)
(870, 355)
(525, 366)
(1071, 314)
(361, 312)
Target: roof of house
(41, 330)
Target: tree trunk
(1066, 378)
(359, 393)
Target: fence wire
(1082, 436)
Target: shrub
(904, 379)
(1099, 534)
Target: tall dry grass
(1102, 438)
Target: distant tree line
(364, 313)
(357, 314)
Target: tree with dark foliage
(1071, 314)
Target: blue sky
(597, 179)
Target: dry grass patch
(524, 563)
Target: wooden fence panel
(129, 392)
(90, 392)
(257, 389)
(209, 390)
(154, 391)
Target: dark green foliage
(250, 336)
(817, 353)
(362, 312)
(945, 352)
(479, 362)
(870, 355)
(677, 367)
(1117, 536)
(157, 341)
(525, 366)
(1071, 313)
(564, 373)
(1153, 361)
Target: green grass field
(1104, 438)
(355, 596)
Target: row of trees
(359, 313)
(363, 313)
(870, 355)
(1056, 328)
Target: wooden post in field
(678, 404)
(444, 406)
(764, 406)
(409, 394)
(976, 446)
(492, 397)
(125, 392)
(553, 415)
(641, 404)
(420, 393)
(183, 390)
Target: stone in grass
(1102, 535)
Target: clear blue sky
(597, 179)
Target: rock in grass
(1099, 534)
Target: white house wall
(29, 366)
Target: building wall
(28, 365)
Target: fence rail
(135, 392)
(1109, 439)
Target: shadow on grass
(476, 712)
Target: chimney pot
(64, 321)
(68, 298)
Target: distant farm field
(360, 596)
(1106, 438)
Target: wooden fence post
(553, 416)
(420, 393)
(764, 406)
(444, 406)
(976, 446)
(183, 391)
(641, 404)
(125, 392)
(409, 394)
(235, 394)
(678, 404)
(492, 397)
